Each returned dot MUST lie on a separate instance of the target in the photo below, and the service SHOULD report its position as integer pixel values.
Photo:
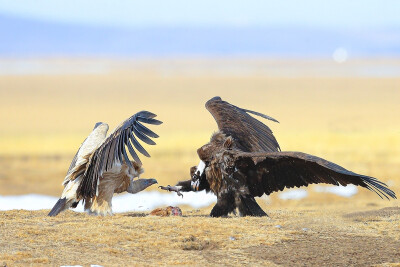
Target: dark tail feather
(249, 207)
(58, 207)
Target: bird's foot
(176, 189)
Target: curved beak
(195, 185)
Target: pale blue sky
(332, 14)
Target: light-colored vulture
(243, 160)
(101, 167)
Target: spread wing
(249, 134)
(269, 172)
(113, 150)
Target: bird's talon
(172, 189)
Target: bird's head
(218, 143)
(198, 175)
(144, 183)
(141, 184)
(150, 181)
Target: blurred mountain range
(20, 37)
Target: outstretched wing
(269, 172)
(113, 150)
(249, 134)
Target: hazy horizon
(26, 37)
(154, 28)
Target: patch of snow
(153, 199)
(293, 194)
(28, 202)
(343, 191)
(120, 203)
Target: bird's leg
(248, 206)
(176, 189)
(196, 183)
(225, 205)
(100, 205)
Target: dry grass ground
(294, 235)
(353, 121)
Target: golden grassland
(306, 233)
(353, 121)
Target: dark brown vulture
(243, 160)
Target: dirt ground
(304, 234)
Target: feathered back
(95, 138)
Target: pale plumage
(101, 167)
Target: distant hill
(29, 37)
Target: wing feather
(113, 150)
(146, 130)
(279, 170)
(137, 145)
(142, 137)
(133, 152)
(123, 143)
(249, 134)
(149, 121)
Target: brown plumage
(117, 180)
(243, 160)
